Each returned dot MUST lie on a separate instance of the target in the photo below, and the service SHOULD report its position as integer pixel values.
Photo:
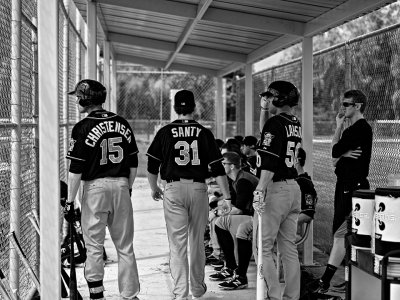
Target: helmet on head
(284, 93)
(89, 92)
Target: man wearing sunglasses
(351, 153)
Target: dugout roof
(214, 37)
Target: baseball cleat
(224, 274)
(236, 283)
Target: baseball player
(277, 196)
(103, 154)
(181, 152)
(249, 150)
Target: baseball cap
(250, 140)
(278, 88)
(184, 98)
(88, 88)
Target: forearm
(336, 136)
(263, 118)
(132, 176)
(265, 179)
(74, 181)
(152, 180)
(223, 184)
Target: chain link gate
(145, 96)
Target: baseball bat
(260, 271)
(24, 260)
(73, 289)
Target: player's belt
(185, 179)
(281, 179)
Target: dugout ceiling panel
(215, 36)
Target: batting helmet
(284, 93)
(89, 92)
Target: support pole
(220, 108)
(50, 264)
(15, 183)
(65, 88)
(249, 101)
(307, 124)
(91, 53)
(106, 71)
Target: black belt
(281, 179)
(179, 179)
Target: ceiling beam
(201, 10)
(214, 15)
(160, 64)
(169, 46)
(229, 69)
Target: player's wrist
(263, 108)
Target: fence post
(15, 183)
(347, 64)
(64, 97)
(307, 124)
(35, 89)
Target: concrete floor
(151, 250)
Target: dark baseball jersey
(280, 139)
(308, 194)
(251, 162)
(103, 144)
(184, 149)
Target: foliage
(373, 64)
(144, 92)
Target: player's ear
(231, 167)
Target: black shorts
(343, 200)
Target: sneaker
(201, 295)
(237, 282)
(318, 286)
(218, 268)
(212, 259)
(339, 288)
(224, 274)
(218, 264)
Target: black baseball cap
(184, 98)
(278, 88)
(249, 140)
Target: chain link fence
(145, 99)
(370, 63)
(19, 192)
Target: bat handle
(260, 271)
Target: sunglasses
(347, 104)
(227, 163)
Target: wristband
(264, 109)
(258, 193)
